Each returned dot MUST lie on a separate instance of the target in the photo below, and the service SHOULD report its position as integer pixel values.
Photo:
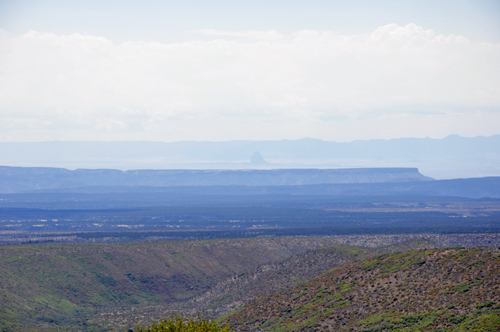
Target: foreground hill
(265, 279)
(232, 293)
(453, 289)
(97, 287)
(60, 285)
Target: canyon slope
(456, 289)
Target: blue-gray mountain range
(447, 158)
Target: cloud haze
(396, 81)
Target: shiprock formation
(454, 289)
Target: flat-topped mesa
(15, 179)
(275, 177)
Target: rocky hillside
(457, 289)
(64, 284)
(97, 287)
(237, 290)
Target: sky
(248, 70)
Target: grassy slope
(453, 289)
(54, 285)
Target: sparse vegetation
(100, 287)
(181, 324)
(396, 292)
(60, 285)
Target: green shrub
(485, 305)
(181, 324)
(465, 287)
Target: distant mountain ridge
(19, 179)
(446, 158)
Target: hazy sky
(260, 70)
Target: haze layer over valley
(451, 157)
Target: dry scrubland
(232, 293)
(93, 287)
(454, 289)
(65, 284)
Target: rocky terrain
(97, 287)
(457, 289)
(65, 284)
(237, 290)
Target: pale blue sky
(173, 21)
(224, 70)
